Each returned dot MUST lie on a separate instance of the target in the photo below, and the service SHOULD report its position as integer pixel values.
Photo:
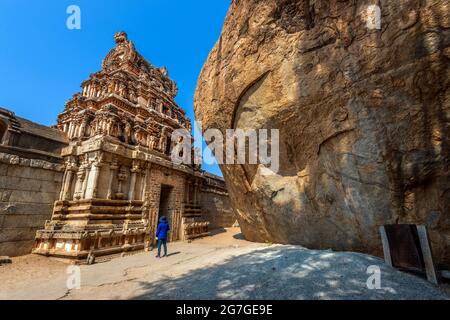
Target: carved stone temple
(117, 174)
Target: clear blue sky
(42, 62)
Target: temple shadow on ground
(288, 272)
(217, 231)
(239, 236)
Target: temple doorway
(165, 203)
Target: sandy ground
(223, 266)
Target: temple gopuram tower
(119, 177)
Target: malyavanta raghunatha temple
(97, 182)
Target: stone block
(17, 234)
(17, 183)
(24, 221)
(49, 186)
(3, 169)
(31, 173)
(16, 248)
(58, 177)
(25, 208)
(33, 197)
(20, 171)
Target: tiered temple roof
(129, 99)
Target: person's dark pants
(162, 242)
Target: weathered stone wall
(28, 189)
(216, 208)
(215, 203)
(31, 172)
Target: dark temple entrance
(165, 205)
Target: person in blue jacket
(161, 235)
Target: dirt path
(223, 266)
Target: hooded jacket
(163, 229)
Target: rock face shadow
(293, 273)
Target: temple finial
(120, 37)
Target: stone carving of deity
(109, 126)
(151, 140)
(121, 176)
(83, 128)
(162, 143)
(127, 132)
(111, 87)
(142, 139)
(132, 96)
(104, 90)
(122, 90)
(174, 89)
(137, 136)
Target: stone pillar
(121, 176)
(75, 130)
(71, 168)
(66, 175)
(82, 129)
(146, 176)
(113, 168)
(84, 186)
(69, 133)
(146, 207)
(79, 185)
(134, 172)
(91, 191)
(96, 170)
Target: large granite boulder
(363, 114)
